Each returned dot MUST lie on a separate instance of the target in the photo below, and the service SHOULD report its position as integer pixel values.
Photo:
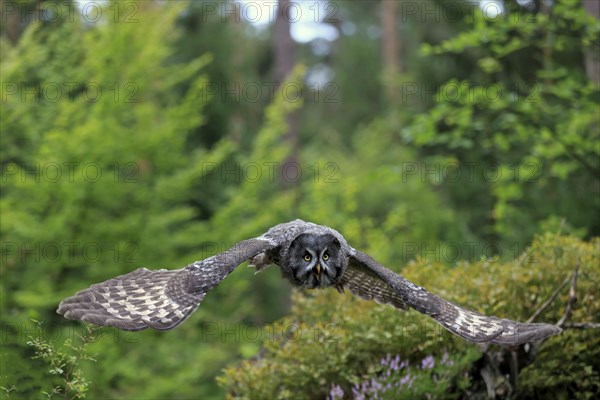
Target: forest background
(457, 142)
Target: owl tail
(135, 301)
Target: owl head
(315, 261)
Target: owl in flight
(310, 257)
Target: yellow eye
(325, 257)
(307, 257)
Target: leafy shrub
(64, 363)
(398, 380)
(525, 134)
(339, 341)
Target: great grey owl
(310, 256)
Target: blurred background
(455, 141)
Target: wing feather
(364, 283)
(159, 299)
(467, 324)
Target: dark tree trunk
(284, 63)
(390, 48)
(592, 59)
(11, 14)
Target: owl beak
(318, 267)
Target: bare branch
(582, 325)
(540, 310)
(572, 298)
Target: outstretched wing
(365, 283)
(159, 299)
(467, 324)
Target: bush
(332, 344)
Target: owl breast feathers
(310, 256)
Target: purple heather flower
(336, 393)
(394, 363)
(405, 380)
(428, 362)
(357, 395)
(375, 384)
(446, 360)
(386, 360)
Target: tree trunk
(592, 60)
(11, 13)
(284, 63)
(390, 48)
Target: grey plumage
(310, 256)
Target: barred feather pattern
(134, 301)
(159, 299)
(364, 283)
(162, 299)
(467, 324)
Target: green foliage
(524, 125)
(334, 339)
(431, 378)
(95, 185)
(399, 211)
(157, 172)
(65, 365)
(134, 210)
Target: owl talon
(260, 262)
